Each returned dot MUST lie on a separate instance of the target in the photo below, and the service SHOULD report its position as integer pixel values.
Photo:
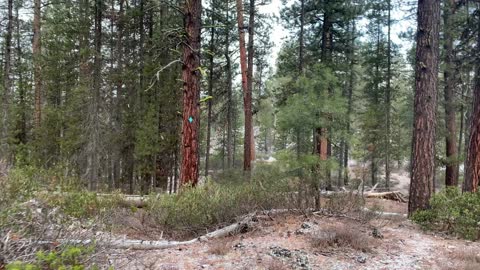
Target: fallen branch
(384, 214)
(239, 227)
(391, 195)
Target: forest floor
(295, 241)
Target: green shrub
(452, 212)
(82, 204)
(217, 203)
(71, 258)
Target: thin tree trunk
(451, 177)
(251, 54)
(6, 84)
(230, 105)
(472, 175)
(324, 144)
(426, 76)
(247, 95)
(350, 101)
(301, 46)
(191, 92)
(388, 98)
(120, 102)
(93, 156)
(210, 88)
(37, 53)
(22, 122)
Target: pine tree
(191, 87)
(426, 76)
(472, 174)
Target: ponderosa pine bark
(472, 173)
(247, 96)
(191, 92)
(322, 142)
(6, 83)
(451, 176)
(37, 52)
(426, 77)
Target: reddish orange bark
(426, 78)
(191, 92)
(472, 175)
(247, 95)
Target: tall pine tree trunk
(472, 174)
(324, 146)
(37, 52)
(191, 92)
(426, 76)
(351, 82)
(388, 97)
(6, 84)
(251, 54)
(230, 106)
(451, 176)
(22, 121)
(94, 132)
(210, 88)
(247, 95)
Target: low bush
(452, 212)
(82, 204)
(74, 258)
(214, 204)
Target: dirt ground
(295, 241)
(288, 241)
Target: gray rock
(377, 234)
(280, 252)
(361, 259)
(305, 226)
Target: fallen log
(390, 195)
(384, 214)
(106, 241)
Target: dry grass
(276, 265)
(220, 247)
(465, 259)
(341, 237)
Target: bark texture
(191, 92)
(472, 174)
(451, 176)
(247, 95)
(426, 76)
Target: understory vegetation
(33, 211)
(452, 212)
